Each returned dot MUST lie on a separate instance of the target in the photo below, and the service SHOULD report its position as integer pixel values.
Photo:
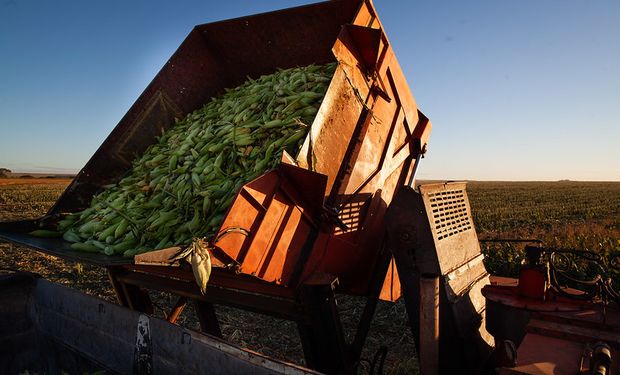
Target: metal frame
(312, 305)
(436, 236)
(370, 120)
(46, 327)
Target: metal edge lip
(58, 247)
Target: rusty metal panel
(278, 229)
(212, 57)
(365, 16)
(251, 204)
(328, 139)
(259, 44)
(458, 255)
(270, 220)
(468, 312)
(449, 215)
(47, 327)
(377, 159)
(546, 355)
(391, 289)
(378, 162)
(187, 80)
(369, 160)
(461, 279)
(418, 223)
(106, 333)
(361, 141)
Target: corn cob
(182, 185)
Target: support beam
(429, 325)
(207, 318)
(128, 295)
(322, 336)
(177, 309)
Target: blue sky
(516, 90)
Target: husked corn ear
(182, 185)
(201, 264)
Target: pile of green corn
(184, 183)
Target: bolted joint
(406, 235)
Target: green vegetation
(565, 214)
(183, 184)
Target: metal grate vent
(449, 213)
(352, 215)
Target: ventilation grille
(449, 213)
(352, 215)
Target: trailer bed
(48, 328)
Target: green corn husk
(182, 185)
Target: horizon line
(68, 172)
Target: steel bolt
(407, 234)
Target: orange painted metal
(361, 147)
(554, 336)
(362, 142)
(532, 282)
(270, 220)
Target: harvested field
(34, 181)
(563, 214)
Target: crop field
(581, 215)
(576, 215)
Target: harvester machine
(339, 217)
